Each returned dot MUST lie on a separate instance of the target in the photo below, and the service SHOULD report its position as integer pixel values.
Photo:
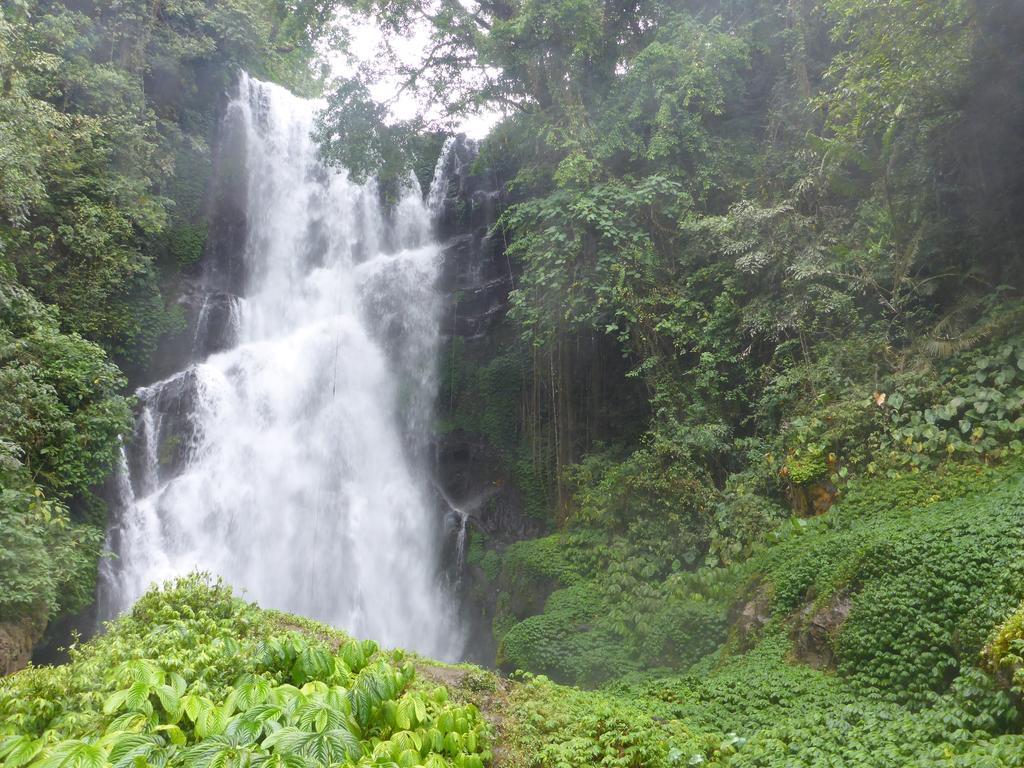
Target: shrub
(569, 641)
(196, 678)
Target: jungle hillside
(695, 386)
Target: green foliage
(776, 221)
(770, 214)
(186, 242)
(482, 398)
(756, 247)
(478, 554)
(197, 678)
(569, 727)
(655, 496)
(747, 510)
(530, 564)
(772, 713)
(930, 571)
(568, 641)
(975, 407)
(928, 562)
(587, 607)
(1004, 653)
(62, 406)
(760, 710)
(47, 561)
(60, 419)
(941, 592)
(587, 635)
(355, 133)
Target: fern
(956, 332)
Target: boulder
(749, 616)
(813, 499)
(18, 638)
(816, 629)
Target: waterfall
(291, 462)
(439, 185)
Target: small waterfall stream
(291, 462)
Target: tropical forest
(511, 383)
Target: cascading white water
(300, 481)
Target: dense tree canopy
(770, 209)
(108, 111)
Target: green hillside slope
(872, 635)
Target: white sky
(365, 47)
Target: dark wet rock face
(209, 291)
(476, 276)
(18, 638)
(817, 628)
(223, 258)
(165, 433)
(216, 323)
(471, 194)
(472, 476)
(475, 282)
(173, 405)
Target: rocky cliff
(472, 465)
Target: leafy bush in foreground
(199, 679)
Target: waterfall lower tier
(290, 461)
